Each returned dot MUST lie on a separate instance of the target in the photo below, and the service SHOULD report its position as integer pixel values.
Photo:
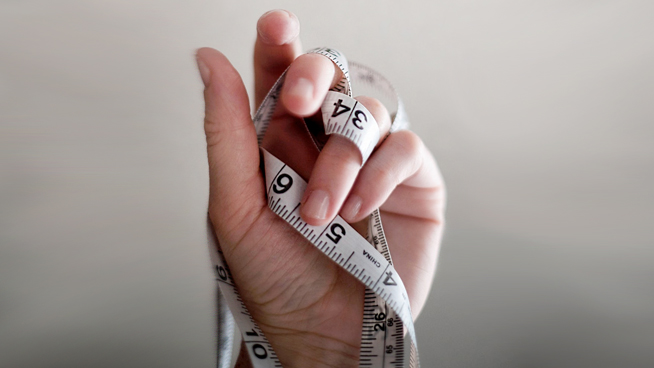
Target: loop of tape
(345, 116)
(387, 320)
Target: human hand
(309, 308)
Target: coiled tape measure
(387, 314)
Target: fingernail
(316, 205)
(300, 87)
(278, 35)
(352, 207)
(205, 73)
(293, 29)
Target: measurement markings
(382, 275)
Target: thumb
(236, 186)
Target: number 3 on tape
(387, 313)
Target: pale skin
(309, 308)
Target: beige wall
(539, 112)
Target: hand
(309, 308)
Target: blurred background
(540, 114)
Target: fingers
(400, 159)
(236, 184)
(335, 171)
(307, 82)
(277, 45)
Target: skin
(309, 308)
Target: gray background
(539, 112)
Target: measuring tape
(387, 320)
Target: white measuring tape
(387, 312)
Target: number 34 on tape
(386, 303)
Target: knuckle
(410, 148)
(408, 143)
(211, 122)
(382, 172)
(221, 114)
(216, 131)
(377, 109)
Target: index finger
(277, 45)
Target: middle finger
(308, 79)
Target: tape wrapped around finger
(345, 116)
(387, 318)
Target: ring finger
(336, 169)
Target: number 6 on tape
(387, 312)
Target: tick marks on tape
(386, 303)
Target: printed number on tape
(387, 318)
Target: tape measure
(387, 320)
